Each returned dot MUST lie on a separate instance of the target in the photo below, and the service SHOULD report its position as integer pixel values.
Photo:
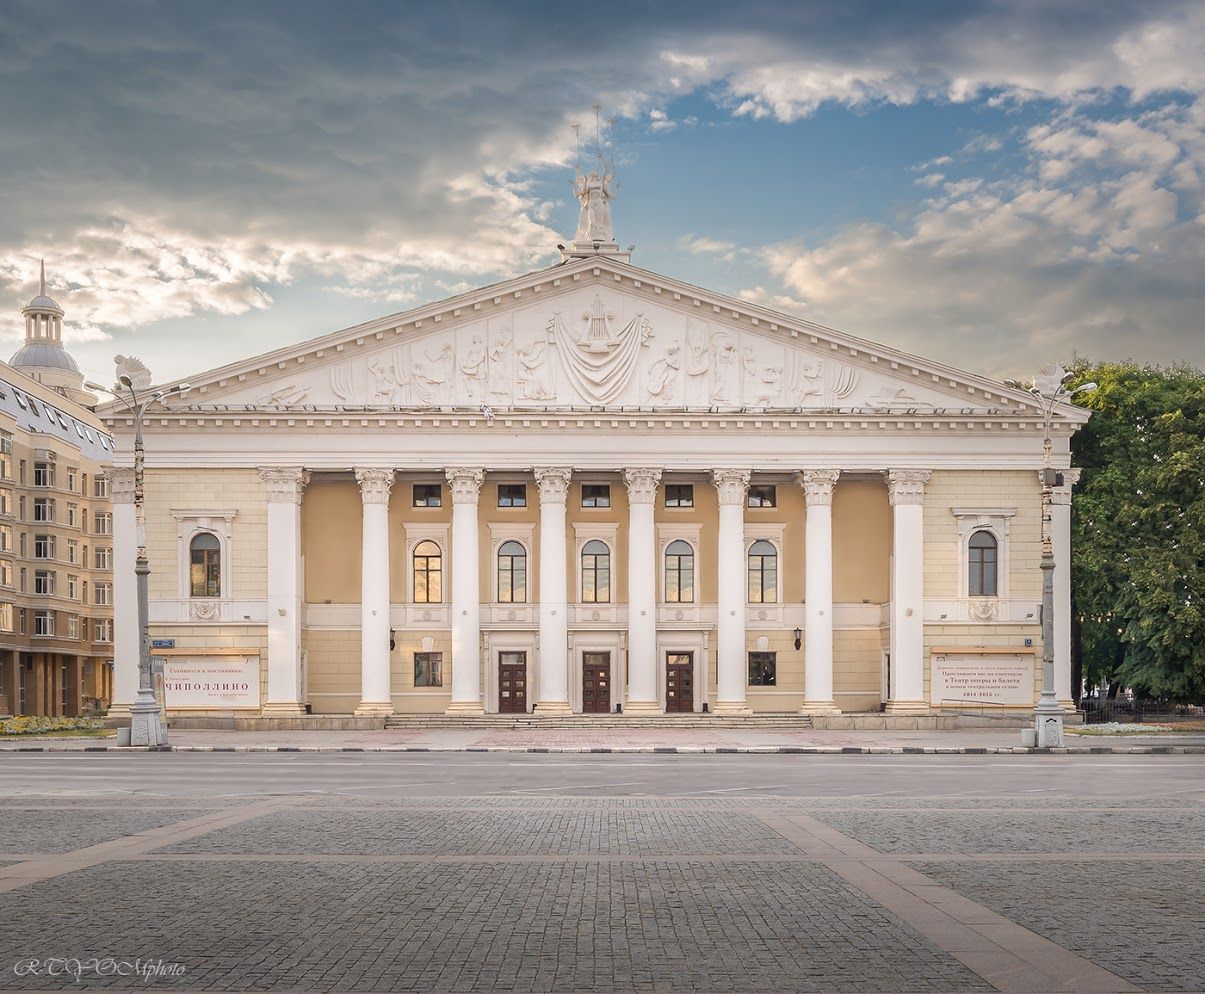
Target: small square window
(763, 668)
(428, 669)
(512, 494)
(596, 495)
(680, 495)
(763, 496)
(428, 495)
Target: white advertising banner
(982, 678)
(211, 682)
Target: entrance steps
(586, 722)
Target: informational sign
(163, 643)
(982, 678)
(211, 682)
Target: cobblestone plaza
(607, 885)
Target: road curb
(655, 750)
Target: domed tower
(43, 357)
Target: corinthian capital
(731, 485)
(818, 485)
(121, 485)
(465, 483)
(1062, 495)
(375, 485)
(553, 482)
(284, 483)
(907, 486)
(642, 484)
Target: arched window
(982, 562)
(596, 573)
(679, 573)
(512, 573)
(428, 574)
(205, 565)
(763, 573)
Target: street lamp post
(1050, 386)
(146, 724)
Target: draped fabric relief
(599, 360)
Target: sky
(989, 185)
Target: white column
(375, 485)
(642, 592)
(818, 592)
(732, 485)
(465, 486)
(125, 592)
(1060, 531)
(906, 489)
(284, 486)
(553, 690)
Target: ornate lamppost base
(146, 724)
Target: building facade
(56, 543)
(593, 488)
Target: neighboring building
(591, 487)
(56, 545)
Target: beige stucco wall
(861, 542)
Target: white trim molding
(995, 521)
(191, 522)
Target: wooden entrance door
(596, 682)
(679, 682)
(512, 682)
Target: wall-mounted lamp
(798, 637)
(392, 643)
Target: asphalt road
(416, 775)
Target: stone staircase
(586, 722)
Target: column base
(120, 710)
(286, 709)
(642, 707)
(470, 708)
(552, 709)
(732, 707)
(374, 709)
(1067, 705)
(819, 707)
(907, 707)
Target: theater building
(592, 489)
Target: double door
(512, 682)
(679, 682)
(596, 682)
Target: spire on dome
(595, 188)
(42, 281)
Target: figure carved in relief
(432, 378)
(499, 365)
(723, 360)
(769, 385)
(664, 373)
(384, 382)
(286, 396)
(473, 368)
(532, 383)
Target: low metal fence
(1098, 710)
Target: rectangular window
(6, 617)
(6, 573)
(72, 476)
(43, 509)
(6, 538)
(6, 500)
(679, 495)
(428, 495)
(72, 551)
(104, 594)
(104, 523)
(72, 586)
(43, 547)
(100, 487)
(43, 623)
(73, 626)
(428, 669)
(43, 474)
(763, 668)
(104, 558)
(103, 629)
(43, 582)
(763, 496)
(512, 494)
(73, 515)
(596, 495)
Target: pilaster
(284, 486)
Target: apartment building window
(6, 500)
(6, 617)
(43, 582)
(104, 523)
(21, 471)
(72, 478)
(43, 623)
(6, 538)
(43, 509)
(6, 572)
(73, 515)
(102, 629)
(43, 474)
(21, 620)
(73, 626)
(104, 594)
(104, 558)
(21, 507)
(6, 455)
(100, 487)
(21, 575)
(43, 547)
(72, 551)
(72, 586)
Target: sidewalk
(621, 740)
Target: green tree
(1138, 529)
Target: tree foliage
(1138, 528)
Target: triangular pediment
(598, 333)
